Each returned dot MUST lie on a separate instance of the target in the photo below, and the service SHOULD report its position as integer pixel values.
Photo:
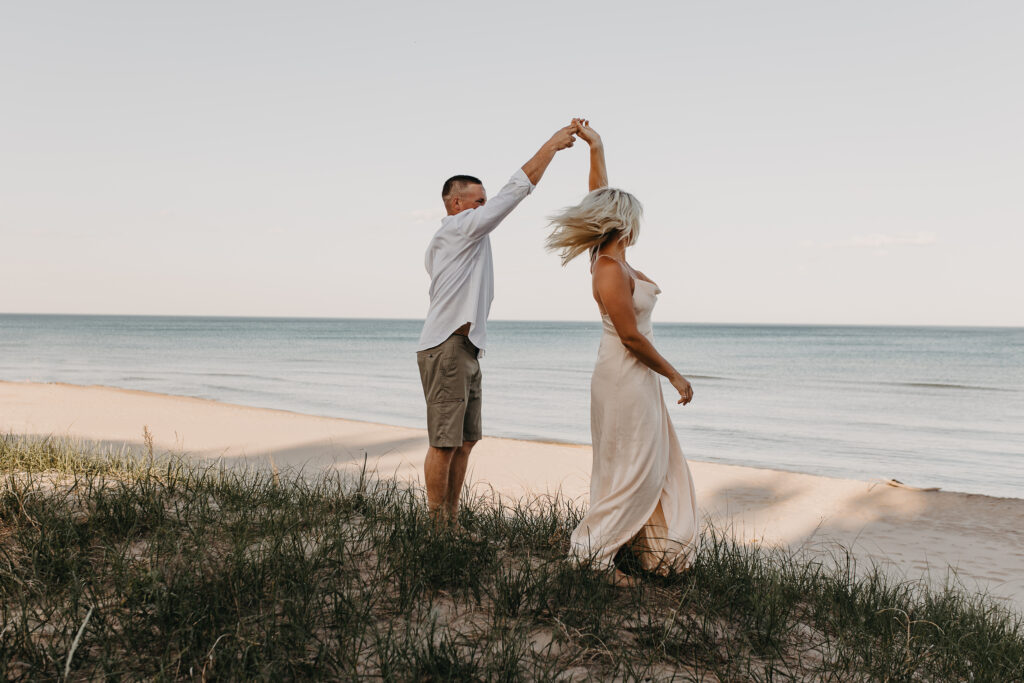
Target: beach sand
(913, 533)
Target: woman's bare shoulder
(608, 266)
(609, 275)
(605, 261)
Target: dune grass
(120, 567)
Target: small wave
(944, 385)
(543, 369)
(246, 391)
(244, 376)
(234, 375)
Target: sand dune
(981, 538)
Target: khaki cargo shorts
(450, 373)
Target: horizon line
(509, 320)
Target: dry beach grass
(118, 566)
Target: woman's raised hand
(598, 177)
(584, 130)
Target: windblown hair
(455, 185)
(604, 215)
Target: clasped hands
(565, 137)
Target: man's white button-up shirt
(461, 267)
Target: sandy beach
(981, 538)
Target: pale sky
(799, 162)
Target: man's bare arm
(535, 167)
(479, 222)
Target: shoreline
(916, 533)
(520, 439)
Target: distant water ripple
(940, 385)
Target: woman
(641, 492)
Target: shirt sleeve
(480, 222)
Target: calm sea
(928, 406)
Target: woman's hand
(584, 130)
(682, 385)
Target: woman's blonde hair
(604, 215)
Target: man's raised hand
(564, 138)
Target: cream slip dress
(641, 492)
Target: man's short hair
(456, 183)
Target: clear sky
(799, 162)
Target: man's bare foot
(440, 517)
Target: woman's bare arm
(598, 169)
(612, 283)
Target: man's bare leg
(456, 475)
(436, 472)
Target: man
(454, 334)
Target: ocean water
(928, 406)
